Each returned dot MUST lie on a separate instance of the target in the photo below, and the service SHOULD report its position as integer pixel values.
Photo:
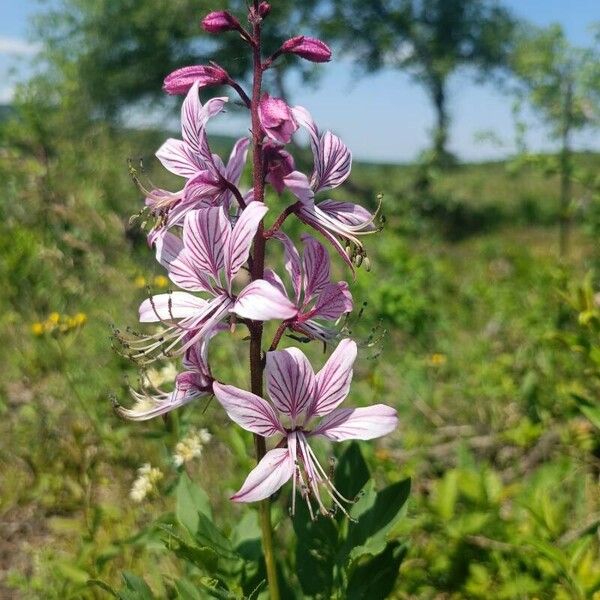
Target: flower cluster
(57, 323)
(210, 236)
(145, 483)
(191, 446)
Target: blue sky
(381, 117)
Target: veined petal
(334, 300)
(290, 381)
(350, 214)
(316, 267)
(203, 186)
(358, 423)
(171, 254)
(293, 264)
(262, 301)
(272, 472)
(274, 279)
(299, 185)
(333, 380)
(206, 233)
(188, 387)
(237, 160)
(248, 410)
(194, 117)
(333, 162)
(176, 157)
(240, 240)
(170, 307)
(304, 118)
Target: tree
(430, 39)
(117, 52)
(562, 83)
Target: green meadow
(470, 325)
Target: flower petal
(332, 163)
(334, 300)
(293, 264)
(262, 301)
(348, 213)
(316, 267)
(248, 410)
(333, 380)
(171, 306)
(240, 240)
(171, 254)
(176, 157)
(205, 234)
(358, 423)
(290, 381)
(194, 117)
(299, 185)
(237, 160)
(272, 472)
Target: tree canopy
(430, 39)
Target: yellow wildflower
(139, 281)
(53, 318)
(37, 328)
(436, 360)
(161, 281)
(80, 319)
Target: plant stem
(257, 271)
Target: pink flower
(332, 164)
(276, 119)
(307, 48)
(192, 383)
(220, 21)
(209, 181)
(316, 298)
(298, 397)
(181, 80)
(206, 260)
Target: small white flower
(145, 483)
(191, 446)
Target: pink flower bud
(276, 119)
(280, 164)
(219, 21)
(264, 8)
(181, 80)
(307, 48)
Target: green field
(471, 337)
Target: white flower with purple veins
(315, 297)
(332, 165)
(209, 181)
(192, 383)
(206, 260)
(303, 406)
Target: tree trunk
(440, 133)
(565, 173)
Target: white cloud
(17, 46)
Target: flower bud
(181, 80)
(307, 48)
(276, 119)
(220, 21)
(264, 8)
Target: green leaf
(316, 548)
(135, 588)
(72, 572)
(592, 413)
(186, 590)
(368, 535)
(374, 579)
(200, 556)
(102, 585)
(208, 533)
(352, 472)
(191, 500)
(246, 537)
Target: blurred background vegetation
(484, 291)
